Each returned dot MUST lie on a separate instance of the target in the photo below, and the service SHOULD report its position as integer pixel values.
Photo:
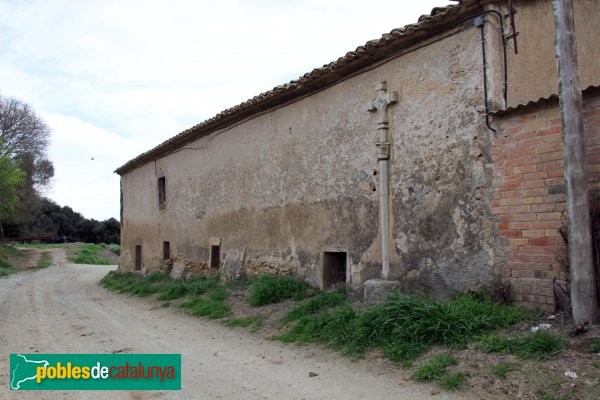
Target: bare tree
(27, 136)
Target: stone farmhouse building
(428, 161)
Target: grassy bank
(90, 254)
(6, 253)
(403, 327)
(469, 341)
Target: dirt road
(62, 309)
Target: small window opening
(162, 192)
(138, 258)
(334, 268)
(166, 250)
(215, 256)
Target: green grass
(115, 248)
(47, 246)
(547, 396)
(539, 345)
(596, 364)
(6, 268)
(502, 368)
(404, 326)
(316, 304)
(239, 284)
(44, 261)
(453, 381)
(7, 251)
(210, 308)
(594, 347)
(269, 289)
(172, 290)
(434, 369)
(243, 322)
(88, 254)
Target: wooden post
(582, 275)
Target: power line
(83, 185)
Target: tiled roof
(553, 98)
(373, 51)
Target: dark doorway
(215, 256)
(166, 250)
(334, 268)
(138, 258)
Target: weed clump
(453, 381)
(268, 290)
(210, 308)
(594, 347)
(316, 304)
(539, 345)
(434, 369)
(502, 369)
(404, 325)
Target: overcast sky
(113, 79)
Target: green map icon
(23, 369)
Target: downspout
(380, 105)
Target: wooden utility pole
(582, 275)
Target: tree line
(24, 171)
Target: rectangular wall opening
(334, 268)
(138, 258)
(215, 256)
(166, 250)
(162, 192)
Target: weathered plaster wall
(530, 196)
(532, 72)
(282, 187)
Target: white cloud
(140, 71)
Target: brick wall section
(529, 196)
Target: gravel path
(62, 309)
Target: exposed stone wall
(529, 199)
(281, 187)
(195, 267)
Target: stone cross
(380, 105)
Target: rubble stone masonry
(529, 198)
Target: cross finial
(382, 101)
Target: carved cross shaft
(380, 105)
